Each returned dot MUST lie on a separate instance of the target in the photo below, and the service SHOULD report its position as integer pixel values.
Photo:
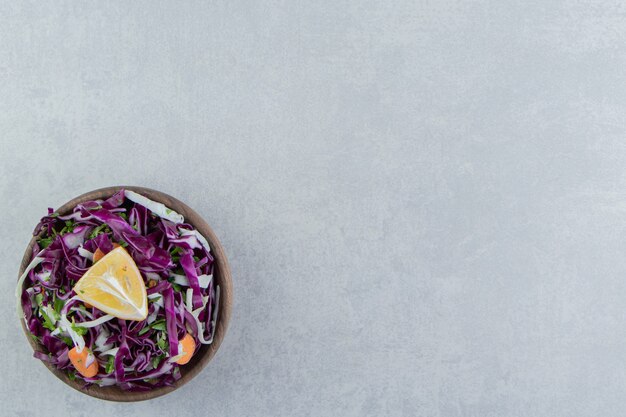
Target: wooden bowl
(221, 274)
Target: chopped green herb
(71, 375)
(55, 316)
(44, 242)
(69, 227)
(58, 304)
(35, 338)
(196, 259)
(157, 360)
(176, 287)
(176, 250)
(161, 342)
(39, 299)
(79, 329)
(123, 243)
(143, 331)
(55, 214)
(155, 299)
(110, 366)
(123, 216)
(159, 325)
(47, 322)
(98, 230)
(66, 340)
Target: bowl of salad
(124, 293)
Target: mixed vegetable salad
(119, 292)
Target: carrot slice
(98, 254)
(79, 360)
(187, 346)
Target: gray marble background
(424, 202)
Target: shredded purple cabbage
(134, 355)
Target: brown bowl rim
(221, 274)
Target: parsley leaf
(98, 230)
(143, 331)
(39, 299)
(156, 360)
(161, 342)
(44, 242)
(58, 305)
(110, 366)
(155, 299)
(159, 325)
(79, 329)
(47, 323)
(67, 341)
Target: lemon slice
(115, 286)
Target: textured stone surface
(423, 201)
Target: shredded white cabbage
(101, 340)
(153, 275)
(72, 240)
(152, 316)
(105, 382)
(31, 292)
(78, 340)
(90, 359)
(203, 280)
(83, 310)
(201, 239)
(157, 208)
(20, 283)
(85, 253)
(52, 315)
(94, 323)
(111, 352)
(18, 291)
(177, 357)
(195, 313)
